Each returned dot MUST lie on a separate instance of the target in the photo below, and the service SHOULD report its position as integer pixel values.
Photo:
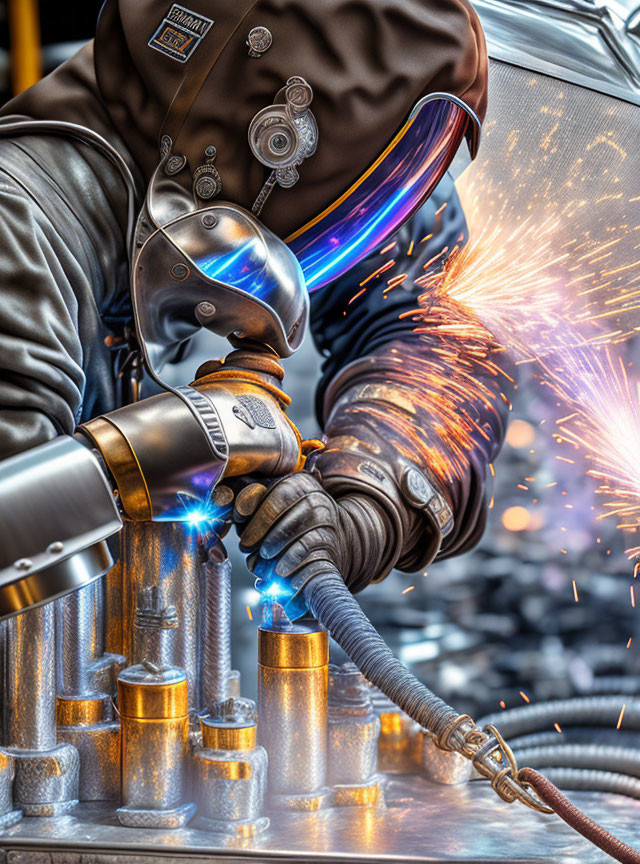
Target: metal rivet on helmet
(259, 40)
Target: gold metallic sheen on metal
(79, 711)
(155, 737)
(219, 737)
(367, 795)
(396, 743)
(152, 701)
(123, 464)
(292, 712)
(293, 650)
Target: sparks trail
(509, 288)
(604, 425)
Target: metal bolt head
(179, 272)
(416, 487)
(206, 309)
(55, 548)
(23, 564)
(209, 220)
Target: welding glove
(169, 451)
(401, 478)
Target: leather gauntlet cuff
(361, 462)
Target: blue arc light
(388, 194)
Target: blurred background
(543, 608)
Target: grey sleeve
(41, 370)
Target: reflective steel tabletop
(420, 822)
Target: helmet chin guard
(215, 267)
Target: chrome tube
(215, 668)
(30, 694)
(80, 638)
(85, 685)
(46, 774)
(161, 564)
(292, 712)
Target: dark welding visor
(388, 193)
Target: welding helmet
(218, 267)
(215, 267)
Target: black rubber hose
(592, 757)
(332, 604)
(584, 711)
(578, 780)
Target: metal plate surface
(421, 822)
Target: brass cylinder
(292, 707)
(217, 736)
(155, 727)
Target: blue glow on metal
(244, 268)
(385, 197)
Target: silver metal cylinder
(8, 816)
(30, 687)
(230, 771)
(215, 654)
(354, 729)
(80, 638)
(161, 564)
(155, 744)
(292, 712)
(46, 774)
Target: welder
(279, 109)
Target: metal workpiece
(30, 684)
(230, 771)
(215, 653)
(46, 775)
(154, 722)
(86, 678)
(397, 739)
(46, 782)
(353, 729)
(292, 711)
(88, 724)
(83, 668)
(437, 765)
(161, 571)
(8, 814)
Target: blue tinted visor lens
(387, 194)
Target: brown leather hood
(368, 62)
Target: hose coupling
(492, 758)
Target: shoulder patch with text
(180, 33)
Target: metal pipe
(80, 638)
(46, 774)
(30, 693)
(155, 733)
(161, 564)
(353, 738)
(85, 685)
(292, 710)
(215, 667)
